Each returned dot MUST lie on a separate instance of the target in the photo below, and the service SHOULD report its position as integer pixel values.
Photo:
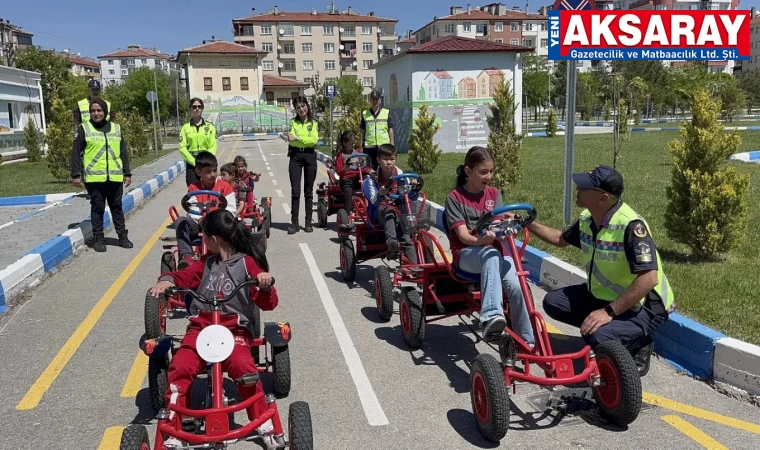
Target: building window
(329, 65)
(306, 47)
(267, 65)
(367, 30)
(498, 27)
(328, 31)
(367, 47)
(499, 41)
(368, 81)
(247, 30)
(124, 72)
(226, 84)
(349, 31)
(514, 41)
(267, 47)
(308, 65)
(266, 30)
(243, 83)
(527, 42)
(514, 26)
(289, 65)
(544, 43)
(289, 48)
(367, 63)
(466, 27)
(111, 72)
(329, 47)
(110, 62)
(305, 30)
(450, 28)
(226, 63)
(207, 84)
(287, 29)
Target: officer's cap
(604, 178)
(94, 85)
(374, 95)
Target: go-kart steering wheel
(405, 189)
(362, 161)
(509, 226)
(187, 206)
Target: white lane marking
(271, 174)
(263, 157)
(287, 208)
(35, 212)
(279, 193)
(274, 182)
(370, 403)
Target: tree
(32, 140)
(421, 95)
(133, 129)
(59, 140)
(350, 121)
(535, 81)
(423, 154)
(620, 128)
(637, 90)
(749, 82)
(504, 141)
(54, 70)
(707, 205)
(551, 123)
(733, 99)
(131, 93)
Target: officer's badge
(180, 138)
(311, 125)
(643, 253)
(206, 128)
(639, 230)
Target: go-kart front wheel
(384, 292)
(341, 218)
(155, 313)
(619, 396)
(300, 432)
(281, 369)
(158, 379)
(322, 213)
(489, 397)
(412, 317)
(135, 437)
(347, 260)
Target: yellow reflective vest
(84, 109)
(306, 132)
(606, 266)
(102, 154)
(376, 132)
(193, 140)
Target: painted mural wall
(236, 112)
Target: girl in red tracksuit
(233, 253)
(245, 180)
(349, 179)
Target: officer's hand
(265, 281)
(77, 182)
(594, 321)
(292, 137)
(127, 181)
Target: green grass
(33, 178)
(720, 295)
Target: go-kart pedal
(249, 379)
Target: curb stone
(685, 344)
(46, 257)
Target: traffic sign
(574, 5)
(331, 90)
(151, 96)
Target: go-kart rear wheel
(158, 369)
(155, 315)
(428, 252)
(168, 264)
(135, 437)
(347, 260)
(267, 221)
(281, 369)
(489, 397)
(619, 396)
(412, 317)
(322, 213)
(384, 292)
(300, 432)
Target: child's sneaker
(266, 431)
(172, 442)
(392, 250)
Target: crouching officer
(627, 295)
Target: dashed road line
(271, 174)
(136, 376)
(694, 433)
(111, 438)
(279, 193)
(287, 208)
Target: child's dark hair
(205, 159)
(386, 150)
(228, 168)
(222, 223)
(475, 156)
(239, 159)
(346, 136)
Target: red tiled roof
(223, 47)
(271, 80)
(135, 53)
(284, 16)
(459, 44)
(410, 40)
(86, 62)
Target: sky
(173, 25)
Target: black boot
(294, 227)
(307, 225)
(124, 241)
(100, 243)
(643, 355)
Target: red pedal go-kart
(157, 310)
(448, 291)
(260, 215)
(210, 427)
(330, 194)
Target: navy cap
(375, 95)
(604, 178)
(94, 84)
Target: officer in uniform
(101, 150)
(377, 127)
(627, 295)
(302, 140)
(196, 136)
(82, 111)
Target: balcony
(348, 53)
(348, 69)
(388, 36)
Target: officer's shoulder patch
(643, 253)
(639, 230)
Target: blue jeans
(492, 266)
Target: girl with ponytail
(472, 197)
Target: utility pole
(176, 97)
(155, 87)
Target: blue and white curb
(685, 344)
(45, 258)
(35, 199)
(746, 156)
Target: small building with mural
(21, 97)
(455, 77)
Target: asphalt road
(72, 376)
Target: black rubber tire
(411, 306)
(300, 431)
(134, 437)
(168, 264)
(428, 252)
(268, 221)
(341, 218)
(614, 359)
(158, 369)
(153, 315)
(492, 418)
(281, 369)
(384, 292)
(322, 213)
(349, 257)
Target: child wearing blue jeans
(484, 255)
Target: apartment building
(116, 66)
(82, 66)
(12, 40)
(303, 46)
(754, 46)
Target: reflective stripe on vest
(607, 268)
(376, 131)
(84, 109)
(102, 154)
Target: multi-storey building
(12, 40)
(754, 46)
(116, 66)
(82, 66)
(305, 45)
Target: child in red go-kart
(234, 254)
(188, 227)
(349, 178)
(245, 180)
(484, 255)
